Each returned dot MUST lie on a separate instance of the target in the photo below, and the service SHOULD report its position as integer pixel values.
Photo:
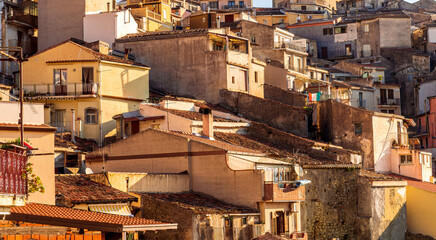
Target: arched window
(91, 116)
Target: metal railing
(235, 6)
(387, 101)
(153, 15)
(290, 46)
(12, 165)
(70, 89)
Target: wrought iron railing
(70, 89)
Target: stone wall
(330, 208)
(281, 116)
(284, 96)
(337, 124)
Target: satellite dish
(299, 170)
(88, 171)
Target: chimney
(207, 122)
(73, 125)
(108, 7)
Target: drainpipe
(73, 125)
(100, 112)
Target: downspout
(100, 106)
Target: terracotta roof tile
(81, 189)
(374, 176)
(32, 126)
(41, 210)
(427, 186)
(198, 203)
(81, 144)
(191, 114)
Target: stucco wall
(395, 33)
(33, 113)
(282, 116)
(420, 217)
(182, 66)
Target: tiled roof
(81, 144)
(271, 150)
(68, 214)
(269, 11)
(175, 33)
(269, 236)
(81, 189)
(427, 186)
(371, 175)
(198, 203)
(28, 126)
(215, 143)
(190, 114)
(98, 56)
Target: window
(231, 3)
(91, 116)
(213, 5)
(303, 8)
(282, 20)
(357, 128)
(241, 4)
(60, 76)
(328, 31)
(253, 39)
(391, 111)
(390, 93)
(155, 126)
(233, 79)
(365, 27)
(339, 30)
(406, 159)
(255, 77)
(353, 4)
(165, 14)
(265, 21)
(361, 99)
(244, 221)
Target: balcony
(70, 89)
(26, 15)
(239, 58)
(283, 192)
(388, 102)
(290, 46)
(235, 6)
(297, 69)
(13, 188)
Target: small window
(265, 21)
(155, 126)
(390, 93)
(353, 4)
(91, 116)
(303, 8)
(357, 128)
(253, 39)
(406, 159)
(339, 30)
(366, 28)
(255, 77)
(233, 79)
(244, 221)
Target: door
(324, 53)
(58, 120)
(229, 18)
(383, 99)
(60, 81)
(135, 127)
(280, 222)
(348, 50)
(88, 80)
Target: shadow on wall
(397, 227)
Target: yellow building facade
(156, 15)
(83, 89)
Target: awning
(116, 208)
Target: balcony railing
(290, 46)
(235, 6)
(153, 15)
(12, 165)
(71, 89)
(282, 192)
(386, 101)
(133, 2)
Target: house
(20, 30)
(80, 192)
(153, 16)
(419, 215)
(57, 22)
(182, 115)
(222, 4)
(284, 16)
(252, 178)
(382, 137)
(40, 139)
(81, 83)
(200, 216)
(310, 4)
(424, 39)
(212, 60)
(117, 24)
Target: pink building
(426, 129)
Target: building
(80, 192)
(177, 115)
(56, 23)
(197, 63)
(41, 143)
(223, 4)
(424, 39)
(282, 17)
(261, 187)
(311, 4)
(382, 138)
(152, 15)
(116, 24)
(81, 83)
